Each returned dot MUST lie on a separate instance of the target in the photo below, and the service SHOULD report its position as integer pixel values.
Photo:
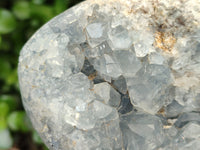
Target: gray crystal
(116, 75)
(120, 38)
(156, 58)
(151, 81)
(129, 63)
(189, 137)
(173, 109)
(120, 84)
(96, 33)
(192, 131)
(187, 117)
(95, 30)
(147, 129)
(107, 94)
(141, 49)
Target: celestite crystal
(116, 75)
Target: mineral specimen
(116, 75)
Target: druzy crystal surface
(116, 75)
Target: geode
(116, 75)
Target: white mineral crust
(116, 75)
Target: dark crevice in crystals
(185, 118)
(98, 79)
(120, 85)
(125, 105)
(89, 71)
(84, 45)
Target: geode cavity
(116, 75)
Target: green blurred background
(19, 19)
